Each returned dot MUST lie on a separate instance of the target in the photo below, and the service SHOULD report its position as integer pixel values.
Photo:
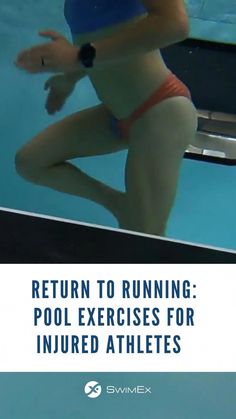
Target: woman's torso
(123, 86)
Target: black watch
(87, 54)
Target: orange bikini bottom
(171, 87)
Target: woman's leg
(158, 141)
(87, 133)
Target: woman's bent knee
(26, 166)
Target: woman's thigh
(158, 141)
(82, 134)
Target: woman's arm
(76, 75)
(165, 24)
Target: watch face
(87, 54)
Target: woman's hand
(59, 55)
(60, 88)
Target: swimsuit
(91, 15)
(171, 87)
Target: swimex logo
(93, 390)
(128, 390)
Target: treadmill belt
(27, 238)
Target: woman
(144, 107)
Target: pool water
(204, 211)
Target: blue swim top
(90, 15)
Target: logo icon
(93, 389)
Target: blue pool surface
(204, 211)
(174, 396)
(213, 19)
